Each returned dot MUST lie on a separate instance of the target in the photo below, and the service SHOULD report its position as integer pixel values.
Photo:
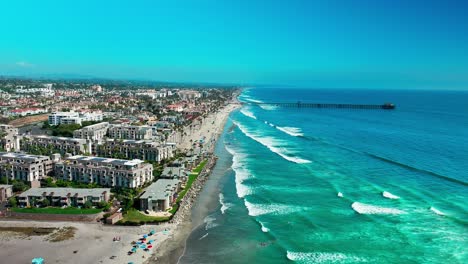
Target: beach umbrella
(145, 236)
(150, 246)
(142, 246)
(134, 250)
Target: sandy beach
(91, 243)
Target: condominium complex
(160, 195)
(93, 132)
(62, 145)
(57, 118)
(63, 196)
(104, 171)
(8, 138)
(24, 167)
(130, 132)
(66, 118)
(134, 149)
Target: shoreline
(174, 247)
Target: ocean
(338, 185)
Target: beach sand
(211, 128)
(92, 242)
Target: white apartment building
(104, 171)
(55, 118)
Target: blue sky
(329, 43)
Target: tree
(45, 202)
(104, 205)
(19, 186)
(88, 204)
(12, 201)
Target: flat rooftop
(106, 160)
(160, 190)
(21, 156)
(64, 192)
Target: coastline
(173, 248)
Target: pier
(386, 106)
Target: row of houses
(103, 171)
(63, 196)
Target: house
(160, 195)
(64, 196)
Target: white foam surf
(264, 228)
(268, 107)
(340, 194)
(437, 212)
(292, 131)
(322, 257)
(270, 209)
(224, 206)
(390, 195)
(205, 235)
(210, 222)
(248, 113)
(362, 208)
(253, 100)
(241, 172)
(272, 144)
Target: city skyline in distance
(325, 44)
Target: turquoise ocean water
(337, 185)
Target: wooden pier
(386, 106)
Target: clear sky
(329, 43)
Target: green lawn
(192, 177)
(135, 216)
(56, 210)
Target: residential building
(189, 94)
(160, 195)
(62, 145)
(134, 149)
(8, 138)
(174, 172)
(91, 116)
(130, 132)
(6, 191)
(25, 112)
(104, 171)
(24, 167)
(64, 196)
(55, 118)
(93, 132)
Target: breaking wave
(322, 257)
(389, 195)
(270, 209)
(268, 107)
(248, 113)
(210, 222)
(340, 194)
(292, 131)
(270, 143)
(362, 208)
(224, 205)
(205, 235)
(241, 173)
(437, 212)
